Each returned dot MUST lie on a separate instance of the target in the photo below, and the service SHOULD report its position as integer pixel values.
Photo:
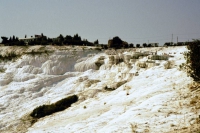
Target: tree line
(116, 42)
(44, 40)
(12, 41)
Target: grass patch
(159, 57)
(13, 55)
(33, 52)
(149, 61)
(98, 49)
(2, 70)
(135, 57)
(114, 86)
(60, 105)
(10, 56)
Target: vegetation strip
(60, 105)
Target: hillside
(118, 91)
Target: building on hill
(27, 40)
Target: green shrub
(135, 57)
(193, 59)
(109, 89)
(98, 49)
(60, 105)
(114, 86)
(149, 61)
(39, 52)
(2, 70)
(9, 56)
(12, 55)
(159, 57)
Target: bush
(2, 70)
(193, 59)
(45, 110)
(109, 89)
(159, 57)
(114, 86)
(12, 55)
(137, 45)
(9, 56)
(117, 43)
(39, 52)
(131, 45)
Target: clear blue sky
(134, 21)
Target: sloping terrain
(133, 90)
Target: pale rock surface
(145, 99)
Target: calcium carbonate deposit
(124, 91)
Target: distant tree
(144, 45)
(43, 42)
(68, 38)
(137, 45)
(10, 39)
(168, 44)
(85, 42)
(125, 44)
(96, 42)
(49, 40)
(19, 43)
(25, 36)
(131, 45)
(44, 38)
(17, 39)
(13, 38)
(116, 42)
(156, 44)
(149, 45)
(90, 44)
(4, 40)
(76, 37)
(104, 46)
(61, 38)
(180, 44)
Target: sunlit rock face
(89, 63)
(32, 78)
(118, 90)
